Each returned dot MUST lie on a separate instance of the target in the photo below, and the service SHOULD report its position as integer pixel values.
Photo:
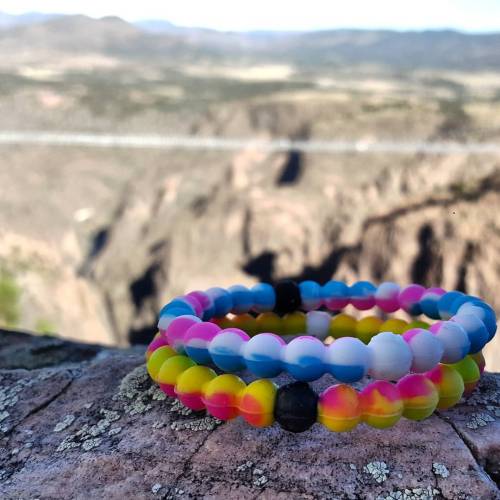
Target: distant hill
(156, 42)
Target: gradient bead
(420, 396)
(197, 339)
(335, 295)
(221, 396)
(362, 295)
(367, 328)
(256, 404)
(226, 347)
(454, 339)
(343, 325)
(469, 371)
(386, 297)
(448, 383)
(156, 360)
(394, 325)
(429, 302)
(264, 297)
(190, 384)
(294, 323)
(157, 342)
(242, 299)
(170, 371)
(269, 322)
(303, 358)
(381, 404)
(222, 301)
(339, 409)
(391, 358)
(262, 354)
(478, 357)
(427, 350)
(195, 303)
(445, 303)
(409, 299)
(484, 313)
(177, 329)
(311, 294)
(318, 324)
(347, 359)
(475, 329)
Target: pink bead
(157, 342)
(191, 299)
(409, 299)
(204, 300)
(386, 297)
(177, 329)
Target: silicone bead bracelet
(296, 407)
(388, 356)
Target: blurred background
(153, 149)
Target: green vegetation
(45, 326)
(10, 294)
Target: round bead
(170, 371)
(343, 325)
(454, 339)
(425, 347)
(256, 403)
(303, 358)
(264, 297)
(242, 299)
(386, 297)
(262, 354)
(368, 327)
(429, 302)
(420, 396)
(158, 341)
(409, 299)
(445, 303)
(311, 294)
(222, 301)
(190, 384)
(195, 303)
(394, 325)
(164, 322)
(339, 409)
(287, 297)
(296, 407)
(294, 323)
(197, 339)
(448, 383)
(469, 371)
(335, 295)
(156, 360)
(362, 295)
(480, 361)
(226, 347)
(269, 322)
(318, 324)
(381, 404)
(484, 313)
(221, 396)
(347, 359)
(204, 300)
(245, 322)
(391, 357)
(178, 304)
(475, 329)
(177, 329)
(417, 324)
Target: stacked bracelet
(192, 324)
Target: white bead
(318, 324)
(391, 357)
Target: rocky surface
(91, 426)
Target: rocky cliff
(81, 421)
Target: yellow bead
(245, 322)
(367, 327)
(191, 384)
(256, 403)
(394, 325)
(222, 396)
(269, 322)
(172, 368)
(417, 324)
(343, 325)
(294, 323)
(156, 360)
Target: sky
(465, 15)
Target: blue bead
(346, 373)
(475, 329)
(335, 295)
(199, 355)
(222, 301)
(311, 295)
(176, 311)
(487, 316)
(209, 312)
(228, 362)
(264, 367)
(429, 305)
(264, 297)
(460, 301)
(445, 303)
(178, 304)
(242, 299)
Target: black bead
(296, 407)
(288, 297)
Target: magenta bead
(191, 299)
(157, 342)
(203, 299)
(409, 299)
(386, 297)
(177, 329)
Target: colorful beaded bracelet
(296, 407)
(386, 357)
